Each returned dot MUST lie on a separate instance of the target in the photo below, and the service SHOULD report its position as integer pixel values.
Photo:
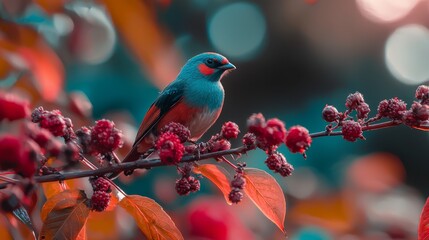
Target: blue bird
(194, 99)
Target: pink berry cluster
(170, 144)
(277, 163)
(101, 197)
(394, 109)
(237, 185)
(187, 183)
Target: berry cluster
(237, 185)
(101, 197)
(12, 107)
(187, 183)
(277, 162)
(269, 134)
(170, 143)
(393, 109)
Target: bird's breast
(202, 121)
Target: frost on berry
(351, 130)
(183, 187)
(421, 112)
(13, 107)
(100, 201)
(100, 184)
(230, 130)
(235, 196)
(392, 108)
(422, 92)
(275, 132)
(194, 184)
(181, 131)
(54, 122)
(275, 161)
(219, 145)
(409, 118)
(363, 110)
(330, 113)
(170, 148)
(105, 137)
(286, 169)
(239, 181)
(256, 123)
(354, 100)
(249, 140)
(298, 139)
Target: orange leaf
(50, 6)
(26, 49)
(267, 195)
(152, 220)
(67, 217)
(51, 189)
(424, 223)
(150, 43)
(68, 199)
(217, 175)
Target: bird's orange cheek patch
(205, 70)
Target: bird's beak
(227, 66)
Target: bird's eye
(209, 61)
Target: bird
(194, 99)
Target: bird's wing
(162, 105)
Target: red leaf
(67, 217)
(152, 220)
(217, 175)
(68, 198)
(424, 222)
(267, 195)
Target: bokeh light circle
(237, 30)
(385, 10)
(407, 54)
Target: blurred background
(292, 58)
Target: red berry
(182, 186)
(235, 196)
(100, 184)
(298, 139)
(54, 148)
(181, 131)
(275, 132)
(256, 124)
(84, 139)
(11, 150)
(392, 108)
(409, 118)
(238, 181)
(420, 111)
(26, 166)
(13, 107)
(285, 170)
(249, 140)
(41, 136)
(37, 114)
(100, 201)
(194, 184)
(105, 137)
(354, 100)
(230, 130)
(363, 110)
(170, 148)
(330, 113)
(422, 92)
(275, 161)
(219, 145)
(351, 130)
(54, 122)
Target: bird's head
(210, 66)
